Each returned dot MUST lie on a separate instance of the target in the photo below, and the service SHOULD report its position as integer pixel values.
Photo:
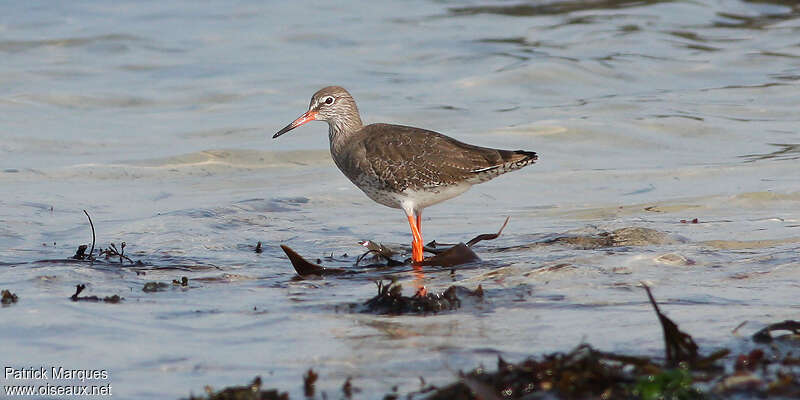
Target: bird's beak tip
(308, 116)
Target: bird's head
(332, 104)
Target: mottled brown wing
(406, 157)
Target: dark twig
(93, 236)
(488, 236)
(763, 336)
(437, 248)
(112, 251)
(679, 346)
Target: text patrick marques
(55, 381)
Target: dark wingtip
(528, 155)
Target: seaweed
(454, 254)
(183, 282)
(761, 375)
(80, 253)
(249, 392)
(111, 251)
(390, 300)
(450, 256)
(8, 297)
(309, 379)
(679, 346)
(622, 237)
(434, 248)
(586, 372)
(348, 389)
(108, 299)
(583, 372)
(151, 287)
(669, 384)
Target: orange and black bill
(308, 116)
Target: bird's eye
(329, 100)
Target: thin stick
(93, 237)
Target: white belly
(415, 199)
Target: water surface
(156, 117)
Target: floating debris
(457, 255)
(80, 254)
(8, 297)
(379, 251)
(305, 268)
(151, 287)
(108, 299)
(764, 335)
(183, 282)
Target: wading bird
(402, 166)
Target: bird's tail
(511, 160)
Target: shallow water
(156, 118)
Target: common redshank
(402, 166)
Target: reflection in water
(784, 152)
(419, 280)
(13, 46)
(767, 13)
(551, 8)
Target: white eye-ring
(328, 100)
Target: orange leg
(416, 244)
(419, 228)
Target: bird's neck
(340, 129)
